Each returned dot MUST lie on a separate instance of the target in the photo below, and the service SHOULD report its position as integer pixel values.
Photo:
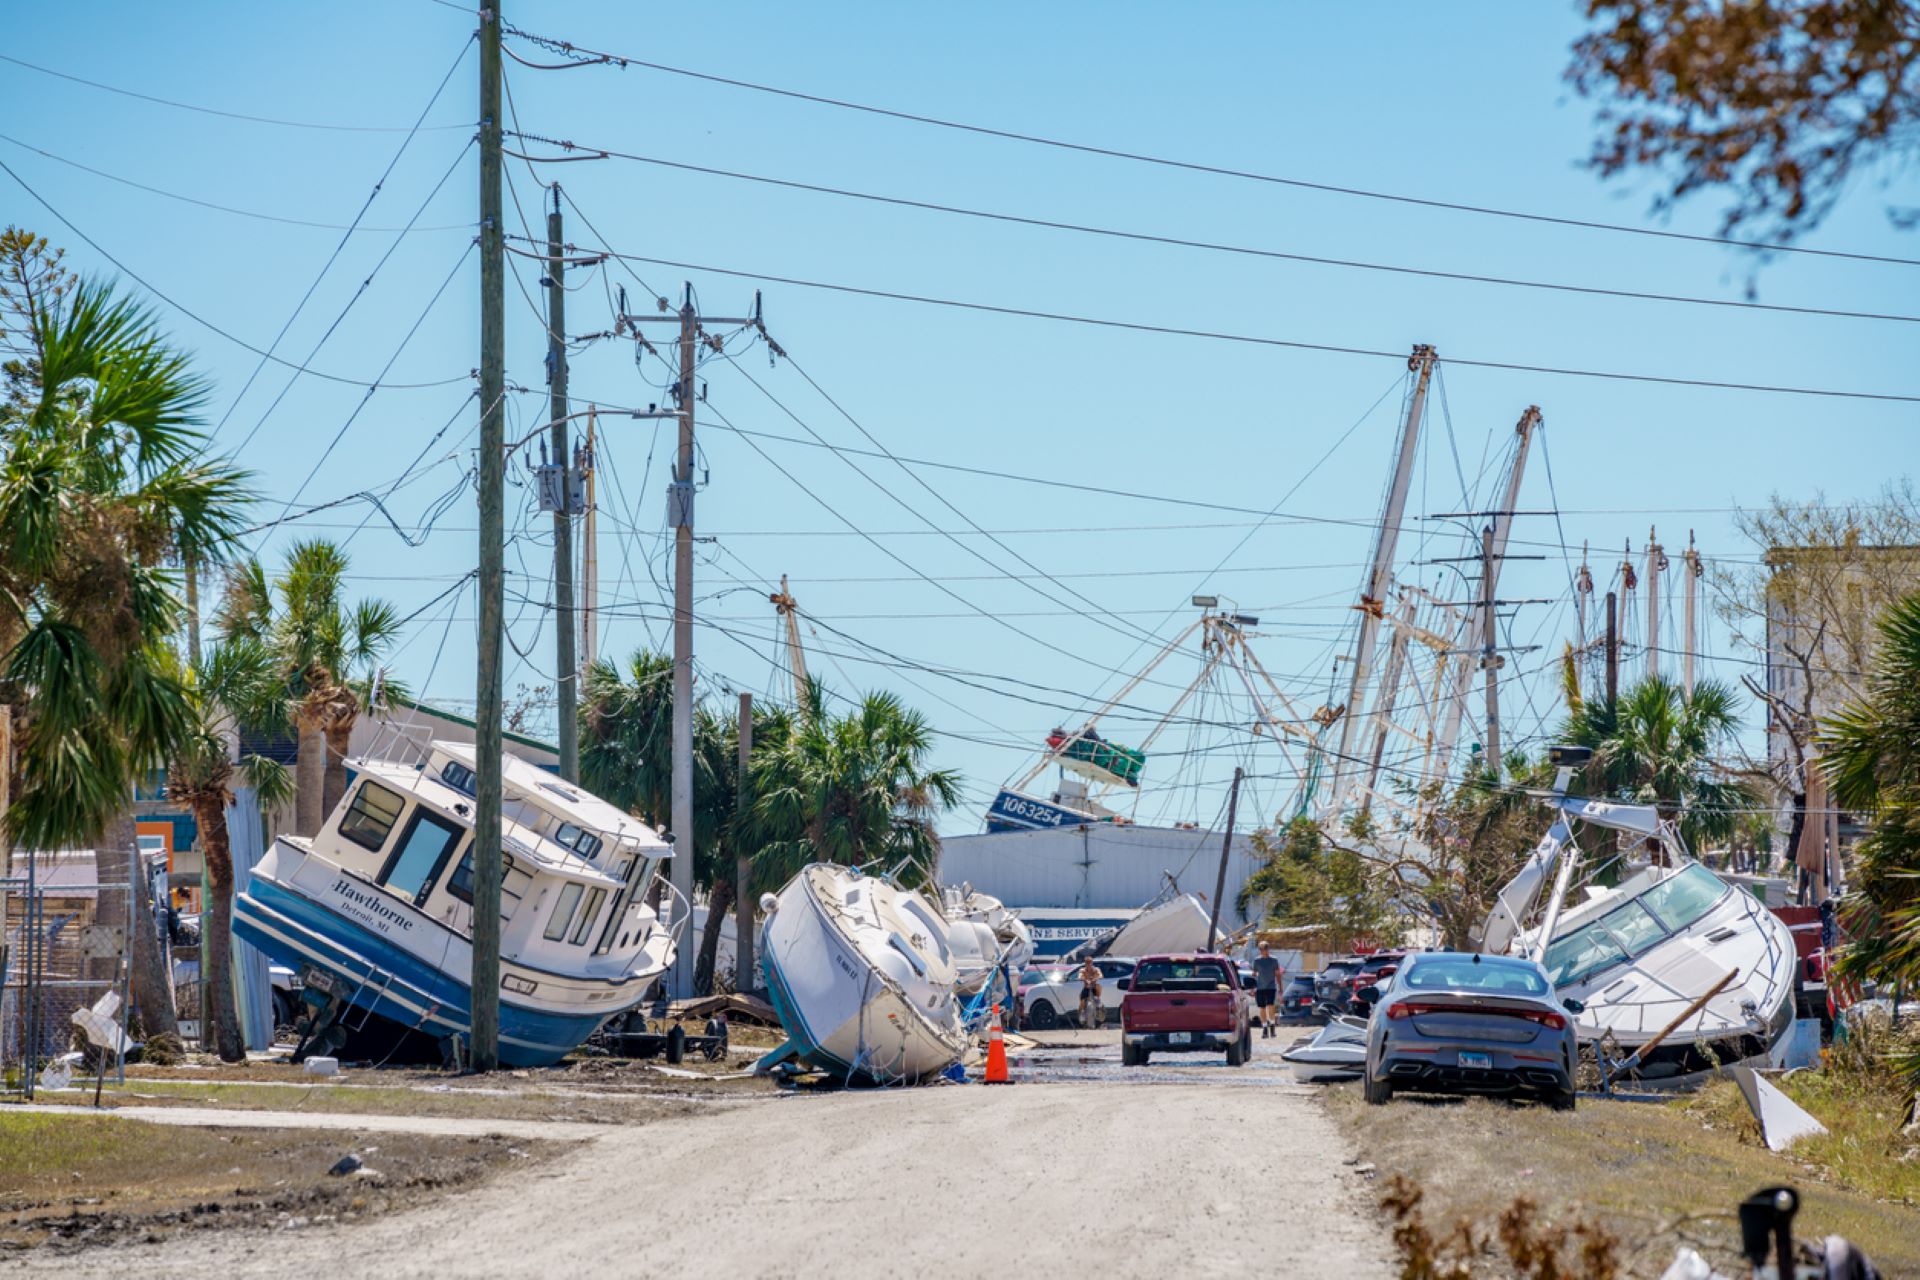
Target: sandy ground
(1165, 1174)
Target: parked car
(1185, 1004)
(1330, 984)
(1052, 998)
(1459, 1022)
(1300, 999)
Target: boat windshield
(1634, 927)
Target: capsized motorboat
(376, 909)
(986, 938)
(1177, 925)
(862, 975)
(1639, 954)
(1337, 1051)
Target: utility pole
(566, 669)
(680, 515)
(484, 1029)
(1656, 561)
(1490, 659)
(1373, 594)
(1613, 648)
(1691, 561)
(589, 556)
(1476, 630)
(1226, 848)
(742, 861)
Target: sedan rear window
(1464, 975)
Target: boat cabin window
(513, 883)
(1683, 899)
(578, 839)
(587, 915)
(1581, 953)
(563, 909)
(1634, 927)
(457, 776)
(419, 855)
(369, 819)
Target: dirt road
(1075, 1176)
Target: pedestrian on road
(1266, 989)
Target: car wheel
(1236, 1053)
(1041, 1017)
(1141, 1055)
(1246, 1046)
(1378, 1092)
(1564, 1099)
(1129, 1056)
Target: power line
(1215, 335)
(218, 208)
(1242, 250)
(1113, 153)
(230, 115)
(202, 321)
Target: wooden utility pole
(1490, 650)
(1613, 648)
(590, 555)
(742, 861)
(1691, 569)
(1226, 848)
(566, 669)
(680, 516)
(1374, 593)
(484, 1032)
(1656, 561)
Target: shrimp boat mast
(1644, 951)
(376, 908)
(1106, 774)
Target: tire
(1246, 1046)
(1378, 1092)
(1042, 1016)
(1563, 1099)
(1140, 1057)
(1237, 1053)
(1129, 1055)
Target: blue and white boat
(376, 910)
(863, 978)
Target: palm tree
(330, 653)
(850, 789)
(1870, 752)
(102, 481)
(1657, 745)
(238, 681)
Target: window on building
(563, 909)
(369, 819)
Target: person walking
(1266, 988)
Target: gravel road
(1068, 1176)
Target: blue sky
(1413, 99)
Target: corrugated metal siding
(1096, 866)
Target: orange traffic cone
(996, 1053)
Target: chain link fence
(64, 947)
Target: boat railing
(681, 917)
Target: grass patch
(73, 1181)
(1655, 1175)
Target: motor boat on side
(375, 910)
(862, 975)
(1639, 954)
(1337, 1051)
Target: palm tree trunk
(216, 934)
(309, 779)
(719, 905)
(338, 734)
(150, 985)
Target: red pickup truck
(1185, 1004)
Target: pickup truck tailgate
(1179, 1011)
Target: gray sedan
(1459, 1022)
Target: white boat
(862, 976)
(1638, 954)
(986, 938)
(1338, 1051)
(1177, 926)
(375, 910)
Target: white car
(1050, 997)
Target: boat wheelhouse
(377, 907)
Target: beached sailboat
(1640, 953)
(376, 909)
(862, 975)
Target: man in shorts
(1090, 985)
(1266, 989)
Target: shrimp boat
(376, 910)
(1639, 954)
(862, 976)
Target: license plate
(1484, 1061)
(1180, 1037)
